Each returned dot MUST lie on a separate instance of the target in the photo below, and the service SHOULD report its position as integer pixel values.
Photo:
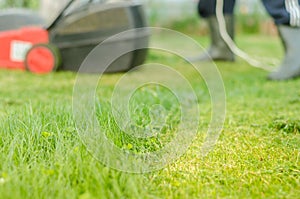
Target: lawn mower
(71, 36)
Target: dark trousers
(207, 8)
(282, 11)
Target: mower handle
(56, 19)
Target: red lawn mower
(75, 32)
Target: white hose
(237, 51)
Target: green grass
(257, 155)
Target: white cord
(224, 34)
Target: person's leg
(207, 8)
(218, 49)
(286, 15)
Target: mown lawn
(257, 155)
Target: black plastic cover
(80, 31)
(11, 19)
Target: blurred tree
(27, 3)
(21, 3)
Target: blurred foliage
(189, 25)
(249, 24)
(182, 16)
(244, 24)
(20, 3)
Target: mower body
(75, 34)
(14, 45)
(79, 32)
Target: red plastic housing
(14, 45)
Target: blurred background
(180, 15)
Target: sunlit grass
(257, 155)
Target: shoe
(290, 66)
(218, 49)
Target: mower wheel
(42, 58)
